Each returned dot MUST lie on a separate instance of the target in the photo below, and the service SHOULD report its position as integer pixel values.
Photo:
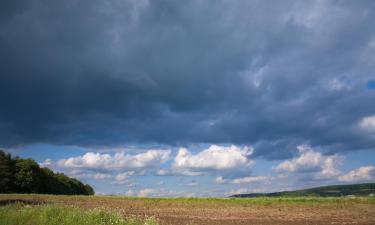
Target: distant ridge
(365, 189)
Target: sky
(191, 98)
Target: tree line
(19, 175)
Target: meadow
(52, 214)
(53, 209)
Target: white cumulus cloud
(122, 178)
(81, 174)
(368, 123)
(119, 161)
(242, 180)
(364, 173)
(310, 161)
(214, 158)
(148, 192)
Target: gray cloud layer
(270, 74)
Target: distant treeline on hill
(366, 189)
(25, 176)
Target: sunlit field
(52, 214)
(51, 209)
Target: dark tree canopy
(25, 176)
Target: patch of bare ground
(185, 212)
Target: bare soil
(182, 212)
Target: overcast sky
(191, 98)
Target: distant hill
(324, 191)
(26, 176)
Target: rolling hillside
(325, 191)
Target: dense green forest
(26, 176)
(325, 191)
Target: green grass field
(183, 200)
(50, 214)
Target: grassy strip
(190, 202)
(20, 214)
(241, 201)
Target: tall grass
(20, 214)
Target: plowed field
(180, 211)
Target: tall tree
(6, 172)
(25, 176)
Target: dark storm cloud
(273, 75)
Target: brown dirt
(175, 212)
